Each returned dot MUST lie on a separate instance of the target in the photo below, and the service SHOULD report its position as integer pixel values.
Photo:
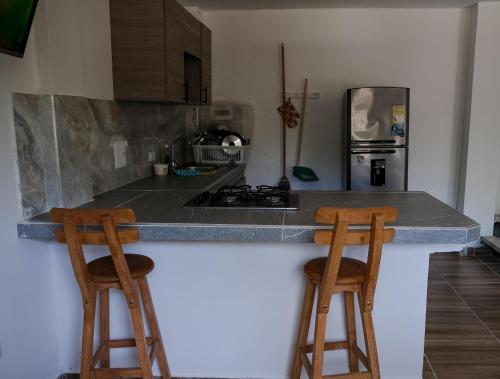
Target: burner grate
(244, 196)
(263, 196)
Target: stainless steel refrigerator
(376, 139)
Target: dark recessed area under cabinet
(192, 79)
(206, 65)
(161, 52)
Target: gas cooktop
(244, 197)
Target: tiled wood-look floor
(462, 338)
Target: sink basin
(204, 170)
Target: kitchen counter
(158, 203)
(223, 175)
(230, 278)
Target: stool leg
(370, 343)
(140, 339)
(371, 346)
(305, 321)
(318, 345)
(104, 325)
(88, 337)
(153, 325)
(351, 330)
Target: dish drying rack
(220, 155)
(234, 117)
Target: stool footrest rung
(127, 342)
(98, 354)
(153, 352)
(107, 373)
(336, 345)
(121, 343)
(361, 356)
(305, 361)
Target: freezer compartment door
(378, 169)
(379, 116)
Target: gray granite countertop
(178, 183)
(158, 204)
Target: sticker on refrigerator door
(398, 121)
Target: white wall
(68, 52)
(481, 156)
(27, 328)
(340, 48)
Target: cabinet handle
(186, 91)
(206, 94)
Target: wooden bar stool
(334, 274)
(118, 270)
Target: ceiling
(305, 4)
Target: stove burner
(262, 197)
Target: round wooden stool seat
(351, 271)
(102, 270)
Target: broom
(300, 172)
(283, 184)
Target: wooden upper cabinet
(206, 65)
(192, 33)
(138, 49)
(175, 86)
(157, 49)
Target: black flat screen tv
(16, 17)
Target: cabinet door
(206, 65)
(192, 77)
(192, 34)
(175, 82)
(138, 49)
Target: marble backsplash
(36, 153)
(64, 145)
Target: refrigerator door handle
(374, 152)
(379, 141)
